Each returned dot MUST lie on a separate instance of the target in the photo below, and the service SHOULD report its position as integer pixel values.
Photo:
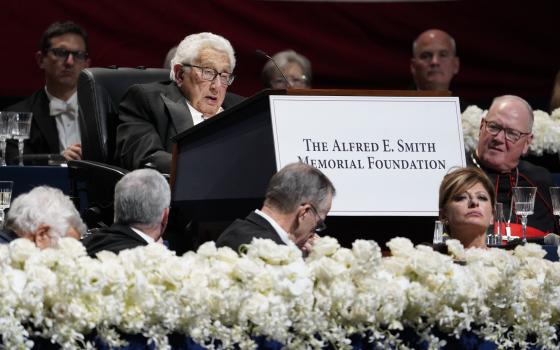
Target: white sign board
(386, 156)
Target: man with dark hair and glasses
(63, 53)
(151, 114)
(297, 201)
(505, 135)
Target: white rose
(456, 249)
(324, 246)
(21, 249)
(529, 250)
(400, 246)
(366, 251)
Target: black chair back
(92, 186)
(100, 91)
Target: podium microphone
(265, 55)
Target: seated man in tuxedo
(151, 114)
(55, 127)
(297, 201)
(44, 215)
(505, 135)
(434, 61)
(142, 199)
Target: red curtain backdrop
(504, 48)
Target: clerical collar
(476, 161)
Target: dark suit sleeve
(138, 139)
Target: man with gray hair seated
(297, 201)
(44, 215)
(295, 71)
(142, 199)
(151, 114)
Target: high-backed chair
(100, 91)
(93, 189)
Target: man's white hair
(44, 205)
(189, 49)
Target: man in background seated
(151, 114)
(63, 53)
(434, 62)
(505, 135)
(142, 199)
(44, 215)
(295, 67)
(297, 201)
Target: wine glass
(21, 125)
(5, 198)
(5, 133)
(524, 199)
(555, 196)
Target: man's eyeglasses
(63, 54)
(511, 134)
(320, 226)
(210, 74)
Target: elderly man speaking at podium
(151, 114)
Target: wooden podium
(221, 169)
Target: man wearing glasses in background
(151, 114)
(62, 55)
(297, 201)
(505, 135)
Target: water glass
(499, 222)
(21, 126)
(5, 198)
(555, 197)
(438, 232)
(5, 133)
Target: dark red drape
(504, 48)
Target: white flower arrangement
(220, 298)
(546, 130)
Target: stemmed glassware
(21, 125)
(524, 199)
(5, 133)
(5, 198)
(555, 196)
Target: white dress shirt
(147, 238)
(197, 117)
(279, 230)
(66, 117)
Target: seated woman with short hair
(466, 205)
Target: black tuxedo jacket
(242, 231)
(43, 136)
(528, 175)
(115, 238)
(150, 115)
(6, 236)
